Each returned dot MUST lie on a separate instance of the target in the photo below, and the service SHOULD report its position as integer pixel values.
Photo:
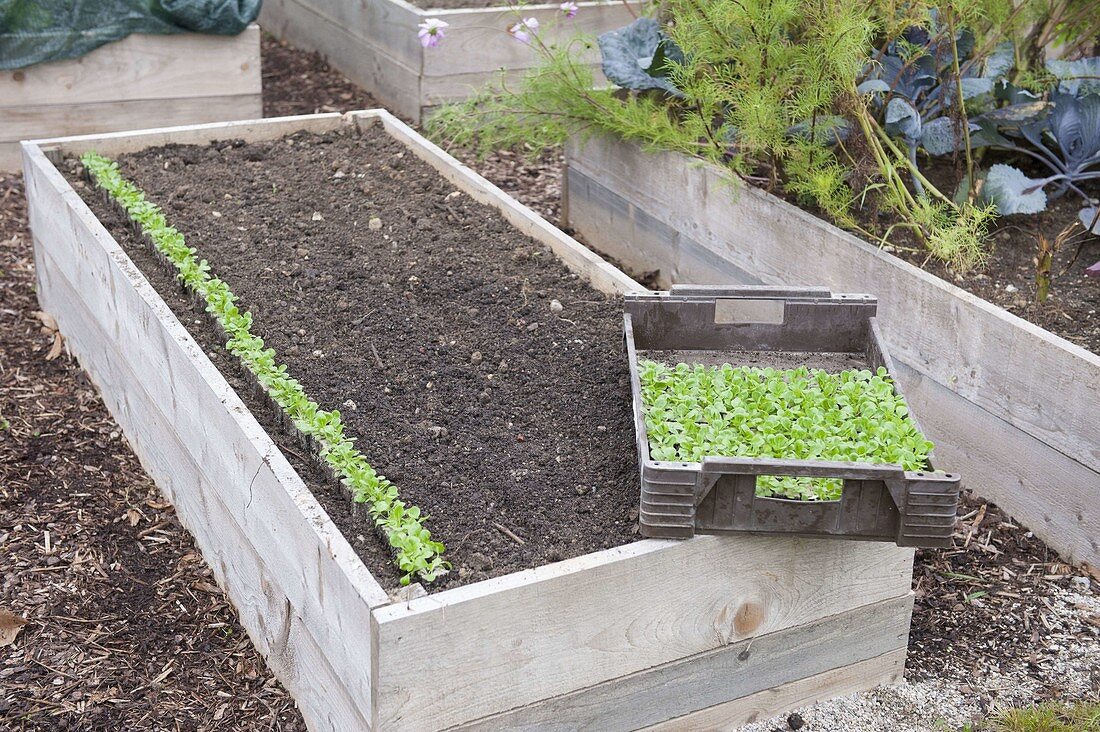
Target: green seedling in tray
(804, 414)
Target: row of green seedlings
(416, 554)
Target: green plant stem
(961, 101)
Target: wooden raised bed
(374, 43)
(707, 631)
(1011, 406)
(139, 81)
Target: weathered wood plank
(1039, 384)
(138, 68)
(375, 44)
(596, 270)
(136, 82)
(717, 677)
(1039, 486)
(22, 123)
(617, 228)
(477, 40)
(383, 23)
(886, 669)
(567, 626)
(118, 143)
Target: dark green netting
(33, 31)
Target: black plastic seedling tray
(718, 494)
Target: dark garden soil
(298, 82)
(431, 330)
(430, 5)
(831, 362)
(1008, 278)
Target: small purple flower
(569, 8)
(431, 32)
(524, 29)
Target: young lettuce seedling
(854, 416)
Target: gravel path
(936, 705)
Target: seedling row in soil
(416, 553)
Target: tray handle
(925, 500)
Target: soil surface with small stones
(474, 369)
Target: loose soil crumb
(533, 181)
(1008, 278)
(833, 363)
(432, 332)
(462, 4)
(297, 82)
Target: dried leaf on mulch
(10, 625)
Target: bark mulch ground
(109, 618)
(997, 600)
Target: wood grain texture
(477, 40)
(113, 144)
(885, 669)
(232, 487)
(549, 631)
(1039, 486)
(375, 44)
(1039, 384)
(142, 67)
(21, 123)
(140, 81)
(732, 672)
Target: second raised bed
(374, 43)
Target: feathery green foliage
(417, 555)
(771, 88)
